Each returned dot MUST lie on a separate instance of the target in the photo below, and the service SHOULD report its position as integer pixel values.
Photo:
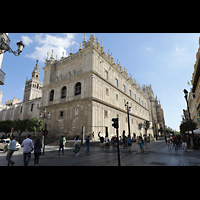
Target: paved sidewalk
(155, 154)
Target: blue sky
(166, 61)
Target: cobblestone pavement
(155, 154)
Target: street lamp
(43, 116)
(5, 45)
(186, 99)
(128, 109)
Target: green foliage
(21, 126)
(35, 125)
(140, 126)
(5, 126)
(185, 126)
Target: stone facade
(104, 89)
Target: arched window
(51, 95)
(63, 92)
(78, 88)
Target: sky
(164, 60)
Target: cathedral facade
(84, 91)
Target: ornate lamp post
(128, 109)
(44, 116)
(186, 99)
(5, 45)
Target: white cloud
(178, 49)
(26, 40)
(47, 42)
(149, 48)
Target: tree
(146, 126)
(6, 126)
(35, 125)
(140, 126)
(186, 126)
(20, 126)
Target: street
(155, 154)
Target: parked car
(4, 143)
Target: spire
(84, 37)
(36, 71)
(36, 68)
(52, 55)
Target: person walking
(77, 148)
(88, 144)
(188, 142)
(61, 146)
(184, 144)
(28, 147)
(175, 142)
(129, 143)
(11, 150)
(37, 151)
(169, 142)
(141, 144)
(106, 147)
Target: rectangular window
(124, 88)
(117, 97)
(107, 91)
(61, 113)
(134, 96)
(116, 82)
(130, 93)
(106, 75)
(31, 107)
(106, 114)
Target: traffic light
(115, 124)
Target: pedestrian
(129, 143)
(175, 142)
(93, 135)
(37, 150)
(77, 148)
(88, 144)
(64, 141)
(61, 146)
(99, 135)
(169, 142)
(11, 150)
(141, 144)
(184, 144)
(28, 147)
(188, 141)
(106, 147)
(121, 142)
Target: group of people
(28, 148)
(177, 141)
(124, 142)
(76, 144)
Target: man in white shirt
(28, 147)
(106, 147)
(11, 150)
